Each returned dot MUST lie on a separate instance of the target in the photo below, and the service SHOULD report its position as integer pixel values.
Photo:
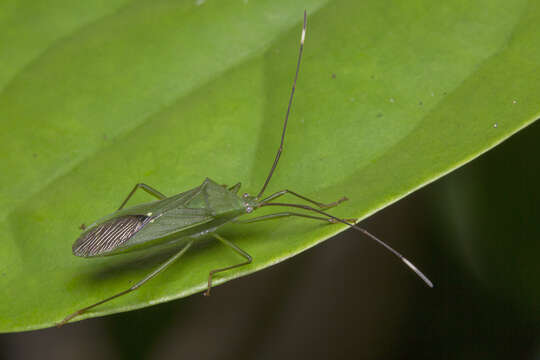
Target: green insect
(196, 214)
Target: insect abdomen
(110, 235)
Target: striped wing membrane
(109, 235)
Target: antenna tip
(418, 272)
(304, 28)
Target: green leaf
(97, 97)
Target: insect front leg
(162, 267)
(237, 250)
(146, 188)
(289, 213)
(319, 204)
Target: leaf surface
(95, 98)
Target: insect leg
(162, 267)
(236, 249)
(235, 188)
(319, 204)
(146, 188)
(288, 213)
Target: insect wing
(109, 235)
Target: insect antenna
(409, 264)
(280, 149)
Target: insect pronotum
(197, 213)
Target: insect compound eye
(249, 209)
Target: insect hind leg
(317, 203)
(150, 190)
(237, 250)
(150, 276)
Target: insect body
(190, 214)
(184, 218)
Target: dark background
(475, 233)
